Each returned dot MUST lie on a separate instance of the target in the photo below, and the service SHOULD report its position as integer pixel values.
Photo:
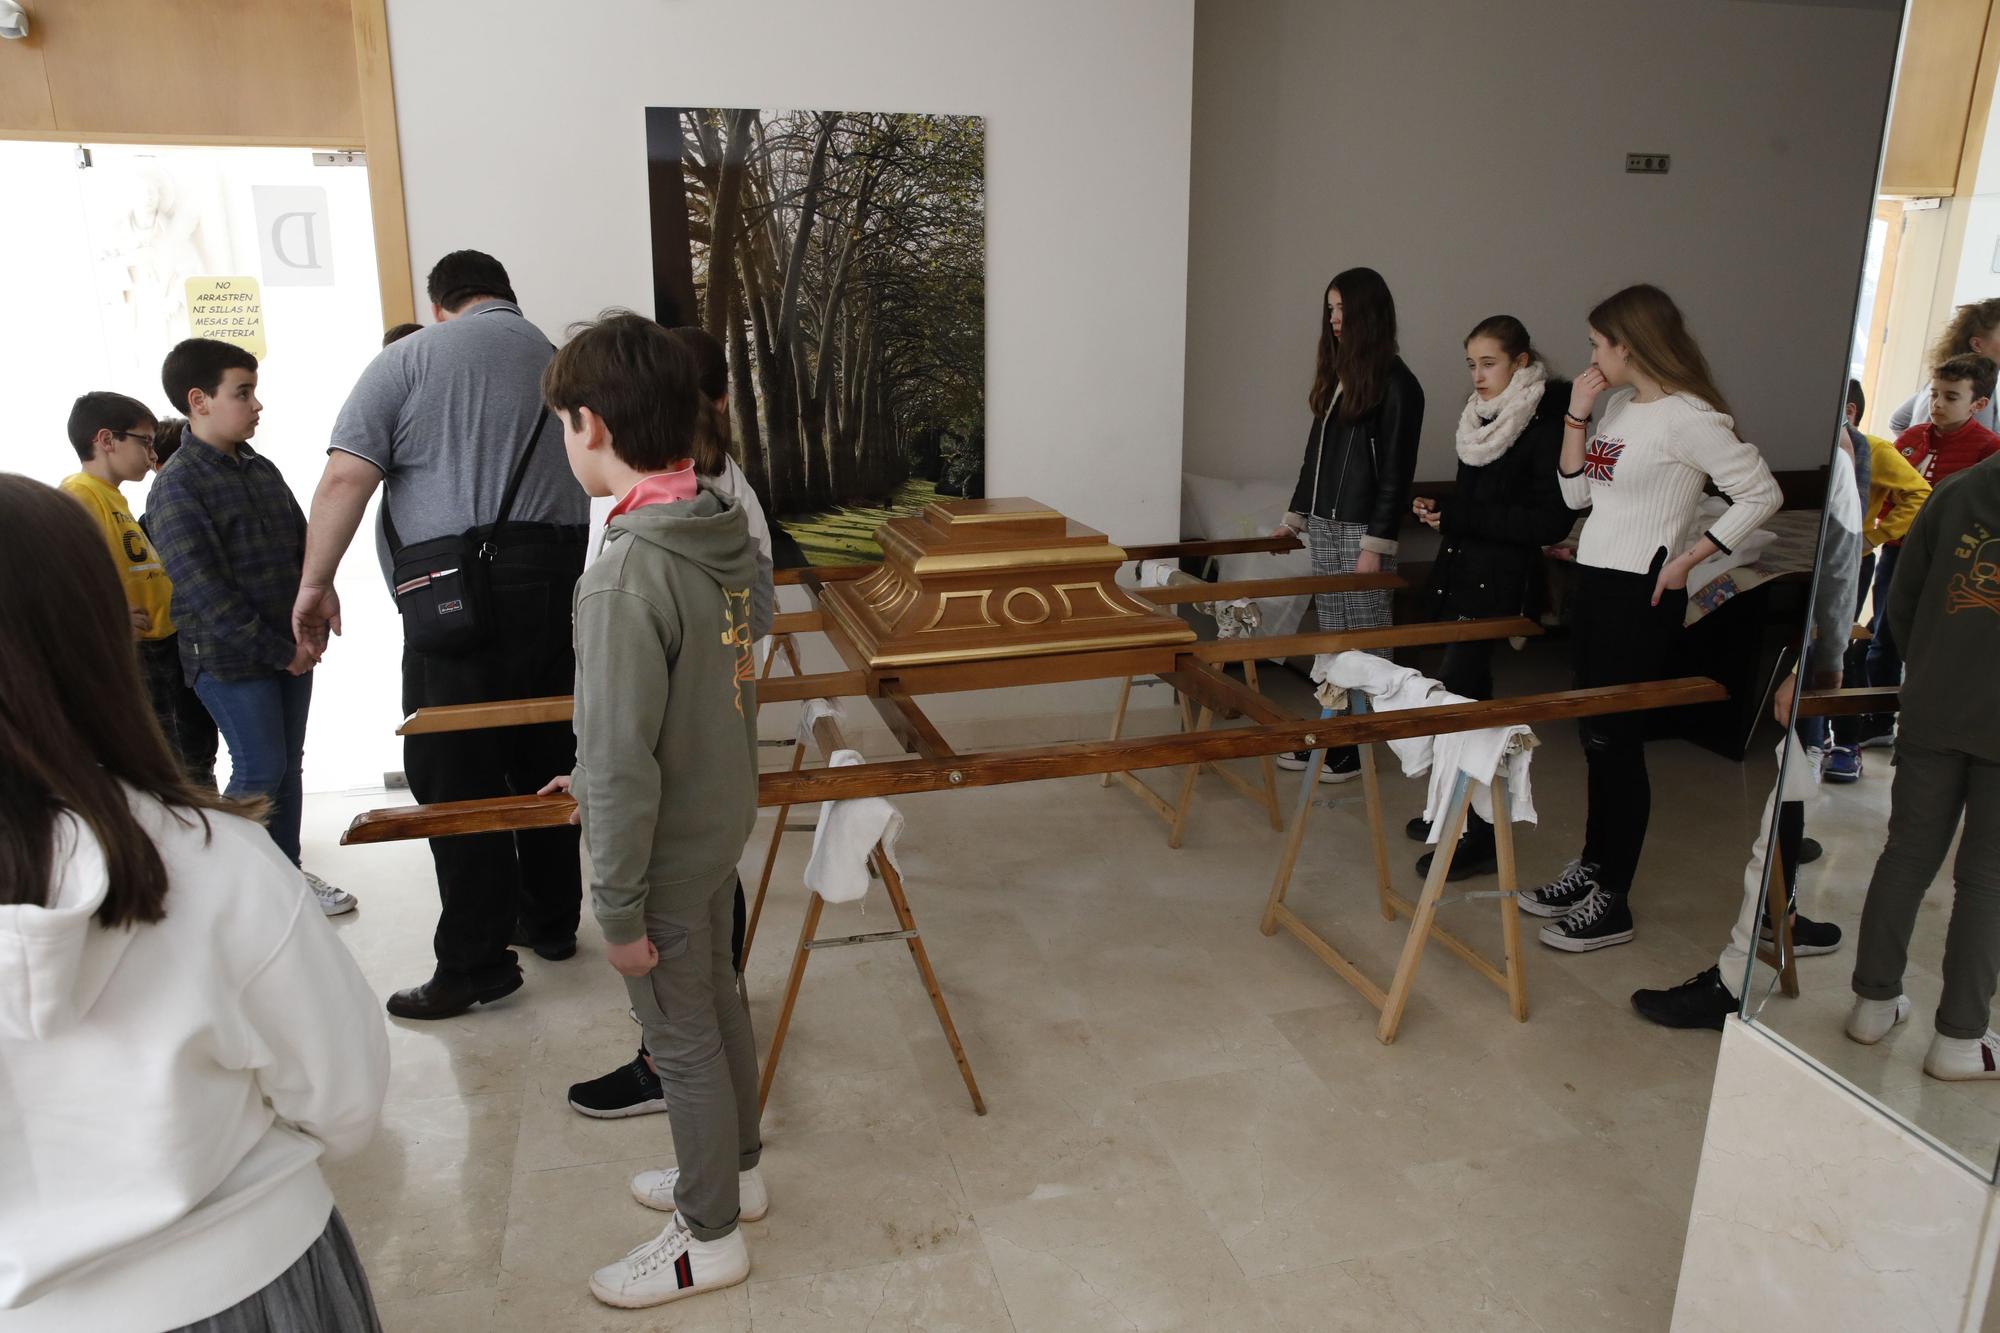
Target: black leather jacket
(1360, 471)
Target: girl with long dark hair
(1663, 433)
(183, 1036)
(1506, 506)
(1361, 454)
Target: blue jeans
(263, 721)
(1885, 660)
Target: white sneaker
(655, 1189)
(1870, 1020)
(671, 1265)
(1961, 1060)
(332, 901)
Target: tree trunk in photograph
(780, 429)
(725, 223)
(743, 406)
(666, 192)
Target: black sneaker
(1342, 764)
(1809, 937)
(1560, 896)
(1702, 1001)
(1418, 829)
(1877, 732)
(1476, 855)
(1810, 851)
(628, 1090)
(1599, 921)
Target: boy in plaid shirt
(233, 541)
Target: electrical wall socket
(1647, 164)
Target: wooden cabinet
(1939, 94)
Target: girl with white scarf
(1505, 507)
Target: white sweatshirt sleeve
(1706, 440)
(1575, 487)
(320, 1046)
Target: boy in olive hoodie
(666, 781)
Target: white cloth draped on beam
(1478, 754)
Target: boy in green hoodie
(666, 781)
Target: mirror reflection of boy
(1945, 607)
(1949, 442)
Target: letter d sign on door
(293, 236)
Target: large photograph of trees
(841, 258)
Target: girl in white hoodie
(182, 1037)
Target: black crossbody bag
(444, 587)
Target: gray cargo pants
(698, 1033)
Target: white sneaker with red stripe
(670, 1266)
(1961, 1060)
(1871, 1020)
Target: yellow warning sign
(227, 309)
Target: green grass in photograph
(846, 536)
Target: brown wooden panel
(180, 69)
(912, 730)
(1203, 549)
(476, 717)
(1178, 593)
(1053, 669)
(909, 776)
(1849, 703)
(1225, 695)
(24, 79)
(825, 685)
(795, 622)
(1390, 636)
(375, 94)
(1934, 97)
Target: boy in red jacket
(1949, 442)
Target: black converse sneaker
(628, 1090)
(1343, 763)
(1809, 937)
(1598, 922)
(1560, 896)
(1702, 1001)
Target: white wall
(522, 130)
(1474, 154)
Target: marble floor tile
(428, 1200)
(846, 1199)
(1037, 1147)
(1144, 1259)
(952, 1293)
(1288, 1177)
(1435, 1289)
(453, 1311)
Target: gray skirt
(325, 1291)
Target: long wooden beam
(795, 622)
(912, 730)
(908, 776)
(811, 574)
(1177, 593)
(1257, 648)
(1199, 550)
(1850, 702)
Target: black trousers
(1468, 670)
(1619, 638)
(190, 731)
(488, 882)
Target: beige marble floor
(1191, 1126)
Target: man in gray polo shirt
(442, 416)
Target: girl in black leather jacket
(1506, 507)
(1361, 453)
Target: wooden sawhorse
(1509, 976)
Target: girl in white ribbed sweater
(1663, 432)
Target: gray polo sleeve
(366, 426)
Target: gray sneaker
(332, 901)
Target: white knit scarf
(1488, 427)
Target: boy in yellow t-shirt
(113, 437)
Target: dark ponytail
(713, 435)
